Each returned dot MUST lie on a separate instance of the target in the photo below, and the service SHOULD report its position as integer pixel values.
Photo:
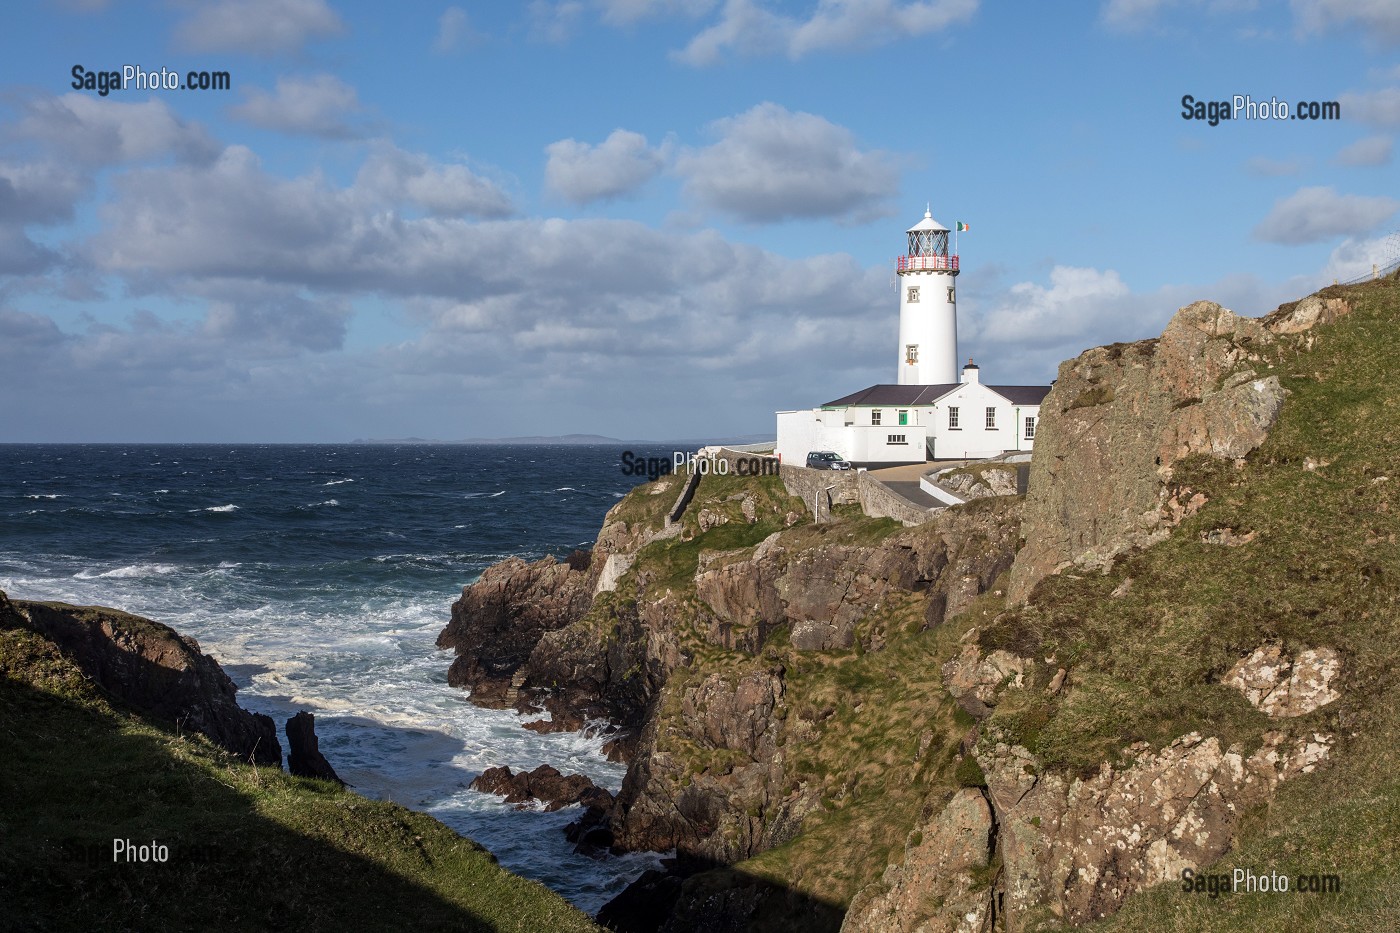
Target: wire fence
(1388, 262)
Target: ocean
(319, 576)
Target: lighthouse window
(952, 296)
(911, 353)
(991, 419)
(913, 294)
(953, 418)
(896, 439)
(1030, 427)
(875, 417)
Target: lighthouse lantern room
(928, 310)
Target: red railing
(930, 263)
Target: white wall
(973, 439)
(872, 444)
(801, 432)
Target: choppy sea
(319, 577)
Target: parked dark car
(826, 460)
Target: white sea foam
(566, 489)
(218, 508)
(327, 502)
(42, 496)
(337, 482)
(129, 572)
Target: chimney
(970, 371)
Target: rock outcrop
(304, 757)
(827, 597)
(153, 669)
(546, 784)
(936, 888)
(1077, 848)
(1119, 417)
(1074, 847)
(1283, 687)
(501, 617)
(980, 483)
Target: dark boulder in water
(304, 757)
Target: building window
(903, 418)
(952, 295)
(953, 418)
(991, 419)
(875, 417)
(895, 439)
(911, 353)
(1030, 427)
(913, 294)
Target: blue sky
(642, 218)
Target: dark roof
(911, 395)
(1022, 395)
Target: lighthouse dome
(927, 224)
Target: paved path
(910, 490)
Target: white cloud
(748, 28)
(617, 166)
(1373, 150)
(317, 105)
(1356, 258)
(454, 30)
(1070, 308)
(269, 321)
(1378, 108)
(259, 27)
(627, 12)
(555, 20)
(441, 189)
(771, 164)
(38, 192)
(1132, 15)
(1318, 213)
(98, 131)
(839, 24)
(1378, 19)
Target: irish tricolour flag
(962, 227)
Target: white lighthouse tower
(928, 309)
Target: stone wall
(811, 485)
(878, 501)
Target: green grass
(249, 847)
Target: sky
(642, 218)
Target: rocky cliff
(1118, 419)
(1018, 714)
(1179, 647)
(153, 669)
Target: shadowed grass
(248, 847)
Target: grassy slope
(281, 852)
(1324, 569)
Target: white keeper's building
(934, 411)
